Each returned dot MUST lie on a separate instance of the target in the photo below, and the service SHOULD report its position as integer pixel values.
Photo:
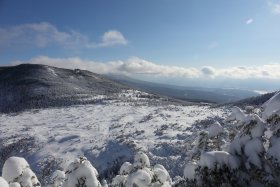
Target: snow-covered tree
(271, 113)
(80, 173)
(242, 164)
(201, 145)
(251, 159)
(215, 132)
(248, 147)
(16, 170)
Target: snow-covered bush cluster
(80, 173)
(251, 159)
(17, 173)
(142, 174)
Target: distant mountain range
(194, 94)
(29, 86)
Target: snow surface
(3, 182)
(108, 134)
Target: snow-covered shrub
(217, 168)
(248, 146)
(141, 174)
(14, 184)
(201, 145)
(249, 109)
(126, 168)
(215, 130)
(3, 182)
(139, 178)
(236, 116)
(243, 163)
(141, 160)
(119, 181)
(17, 169)
(208, 140)
(58, 178)
(80, 173)
(271, 113)
(161, 177)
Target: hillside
(29, 86)
(256, 101)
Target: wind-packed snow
(107, 134)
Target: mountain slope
(35, 86)
(256, 101)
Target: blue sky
(177, 39)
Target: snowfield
(108, 134)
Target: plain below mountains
(193, 94)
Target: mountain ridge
(34, 86)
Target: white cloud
(270, 71)
(274, 6)
(208, 71)
(44, 34)
(136, 65)
(249, 21)
(133, 65)
(113, 37)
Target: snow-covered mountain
(132, 138)
(28, 86)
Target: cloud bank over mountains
(42, 35)
(135, 65)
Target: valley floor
(107, 134)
